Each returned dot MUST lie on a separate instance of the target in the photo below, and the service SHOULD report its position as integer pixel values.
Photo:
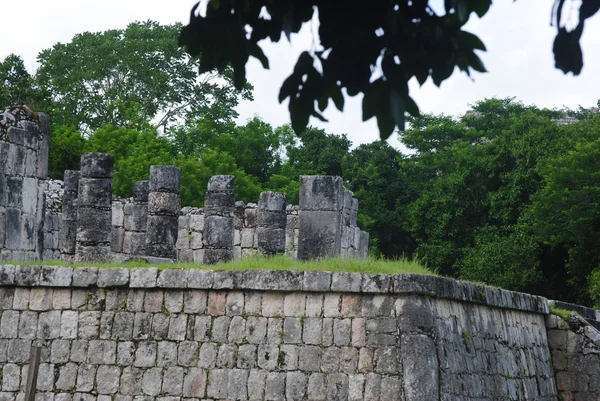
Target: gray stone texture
(163, 210)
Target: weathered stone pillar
(164, 204)
(94, 208)
(67, 235)
(219, 207)
(135, 220)
(272, 220)
(321, 201)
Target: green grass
(368, 265)
(564, 314)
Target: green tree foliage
(398, 39)
(98, 77)
(17, 86)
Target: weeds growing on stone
(369, 265)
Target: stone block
(250, 218)
(95, 192)
(270, 240)
(93, 225)
(194, 384)
(296, 386)
(256, 384)
(197, 222)
(85, 276)
(162, 230)
(272, 201)
(201, 279)
(107, 379)
(275, 386)
(152, 381)
(321, 193)
(15, 160)
(164, 203)
(219, 203)
(13, 228)
(135, 243)
(316, 281)
(218, 231)
(7, 278)
(247, 237)
(113, 277)
(309, 359)
(30, 195)
(117, 239)
(420, 368)
(96, 165)
(317, 387)
(214, 256)
(143, 277)
(217, 383)
(117, 214)
(173, 278)
(136, 217)
(67, 236)
(237, 384)
(221, 183)
(141, 189)
(131, 380)
(15, 191)
(319, 234)
(164, 179)
(166, 353)
(145, 355)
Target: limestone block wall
(133, 334)
(327, 220)
(245, 237)
(129, 222)
(575, 347)
(23, 170)
(53, 194)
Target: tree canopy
(373, 49)
(137, 72)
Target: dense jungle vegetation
(507, 194)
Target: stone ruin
(80, 220)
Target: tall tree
(97, 78)
(17, 86)
(400, 39)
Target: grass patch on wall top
(280, 262)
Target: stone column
(135, 220)
(321, 201)
(67, 234)
(219, 207)
(94, 208)
(164, 205)
(272, 221)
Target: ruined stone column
(219, 207)
(321, 201)
(94, 208)
(272, 220)
(67, 235)
(136, 220)
(164, 204)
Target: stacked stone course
(128, 334)
(68, 223)
(327, 220)
(575, 347)
(94, 208)
(130, 220)
(164, 204)
(23, 170)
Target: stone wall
(575, 347)
(23, 170)
(140, 334)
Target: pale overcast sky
(517, 34)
